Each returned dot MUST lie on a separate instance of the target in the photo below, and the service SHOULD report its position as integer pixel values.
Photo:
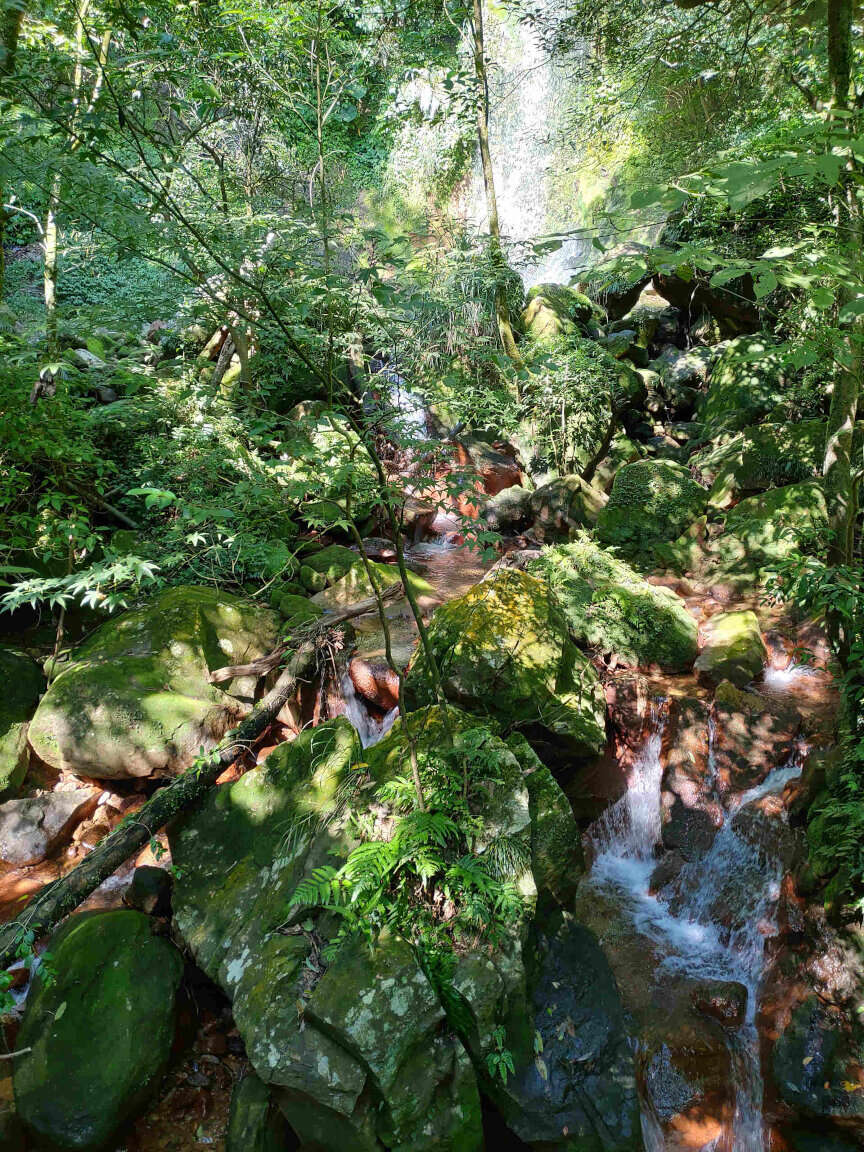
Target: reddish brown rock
(375, 682)
(754, 734)
(691, 813)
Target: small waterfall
(369, 729)
(711, 922)
(537, 172)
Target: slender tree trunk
(49, 268)
(502, 312)
(837, 468)
(12, 19)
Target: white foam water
(710, 923)
(369, 728)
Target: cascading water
(711, 922)
(369, 728)
(536, 175)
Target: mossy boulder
(97, 1037)
(255, 1124)
(610, 607)
(137, 701)
(766, 528)
(370, 1062)
(297, 610)
(747, 383)
(733, 649)
(555, 310)
(651, 501)
(562, 506)
(355, 585)
(504, 650)
(22, 684)
(760, 458)
(333, 562)
(509, 510)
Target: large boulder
(610, 607)
(761, 458)
(359, 1052)
(137, 700)
(562, 506)
(732, 649)
(504, 650)
(23, 682)
(509, 510)
(96, 1037)
(776, 524)
(554, 310)
(651, 501)
(747, 384)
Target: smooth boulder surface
(504, 650)
(137, 701)
(563, 506)
(733, 649)
(30, 829)
(22, 683)
(99, 1034)
(651, 501)
(610, 607)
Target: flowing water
(711, 922)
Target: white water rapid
(711, 922)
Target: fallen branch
(64, 895)
(265, 664)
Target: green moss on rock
(555, 310)
(746, 384)
(23, 682)
(503, 649)
(137, 700)
(651, 501)
(761, 458)
(733, 649)
(98, 1036)
(610, 607)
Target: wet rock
(375, 681)
(503, 649)
(725, 1000)
(609, 607)
(562, 506)
(149, 891)
(509, 510)
(137, 699)
(816, 1064)
(495, 464)
(31, 829)
(651, 501)
(691, 814)
(754, 734)
(23, 682)
(579, 1090)
(99, 1033)
(255, 1124)
(732, 649)
(379, 549)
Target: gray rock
(31, 829)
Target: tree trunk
(12, 19)
(837, 469)
(502, 312)
(49, 274)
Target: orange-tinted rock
(375, 682)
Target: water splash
(369, 728)
(711, 922)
